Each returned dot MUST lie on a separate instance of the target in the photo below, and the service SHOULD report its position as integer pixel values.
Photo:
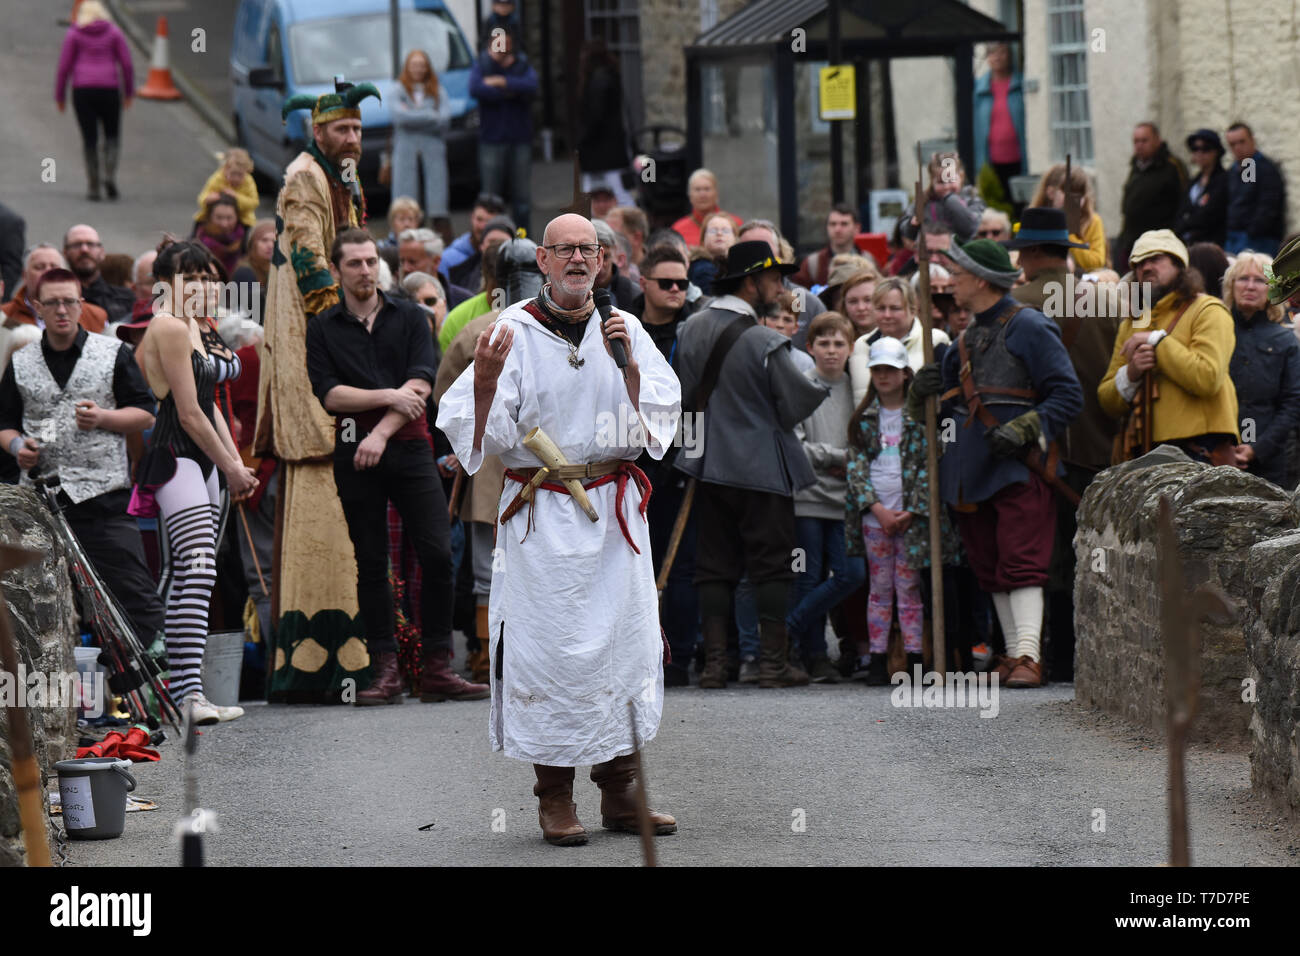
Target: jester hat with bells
(343, 103)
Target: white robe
(575, 605)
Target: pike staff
(931, 429)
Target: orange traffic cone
(159, 86)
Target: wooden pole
(940, 662)
(1071, 206)
(26, 773)
(644, 824)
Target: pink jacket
(91, 57)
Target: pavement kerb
(194, 97)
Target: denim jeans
(680, 613)
(1237, 241)
(829, 576)
(500, 164)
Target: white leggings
(190, 510)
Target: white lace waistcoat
(88, 463)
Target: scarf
(341, 195)
(579, 314)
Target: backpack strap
(713, 366)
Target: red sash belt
(624, 471)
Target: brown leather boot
(556, 811)
(617, 781)
(715, 652)
(386, 687)
(481, 663)
(439, 682)
(774, 667)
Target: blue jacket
(969, 471)
(1257, 208)
(505, 115)
(1265, 369)
(984, 116)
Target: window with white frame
(1067, 61)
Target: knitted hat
(985, 259)
(1155, 242)
(1284, 277)
(343, 103)
(499, 224)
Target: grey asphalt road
(827, 775)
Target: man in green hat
(316, 614)
(1010, 387)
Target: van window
(274, 55)
(360, 48)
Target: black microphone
(601, 299)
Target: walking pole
(674, 542)
(937, 634)
(27, 775)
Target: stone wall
(43, 617)
(1220, 513)
(1272, 626)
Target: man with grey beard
(576, 648)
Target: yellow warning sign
(838, 93)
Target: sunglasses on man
(666, 285)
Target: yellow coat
(246, 196)
(1196, 396)
(1097, 255)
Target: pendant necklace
(573, 355)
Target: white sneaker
(204, 712)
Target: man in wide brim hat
(745, 259)
(1043, 226)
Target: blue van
(285, 47)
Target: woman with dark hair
(602, 136)
(222, 233)
(421, 118)
(1203, 215)
(1265, 369)
(178, 474)
(1211, 262)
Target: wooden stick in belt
(540, 444)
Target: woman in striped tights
(188, 445)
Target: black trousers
(94, 105)
(406, 476)
(113, 545)
(742, 532)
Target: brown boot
(481, 663)
(439, 682)
(617, 781)
(715, 652)
(556, 811)
(774, 667)
(386, 687)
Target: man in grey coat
(741, 377)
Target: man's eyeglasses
(88, 243)
(564, 250)
(667, 285)
(989, 233)
(432, 301)
(55, 304)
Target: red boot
(386, 687)
(439, 682)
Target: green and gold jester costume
(319, 640)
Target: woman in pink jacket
(94, 50)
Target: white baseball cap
(887, 351)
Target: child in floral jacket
(886, 507)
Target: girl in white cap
(886, 508)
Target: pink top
(1004, 142)
(92, 56)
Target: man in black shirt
(371, 363)
(67, 405)
(84, 252)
